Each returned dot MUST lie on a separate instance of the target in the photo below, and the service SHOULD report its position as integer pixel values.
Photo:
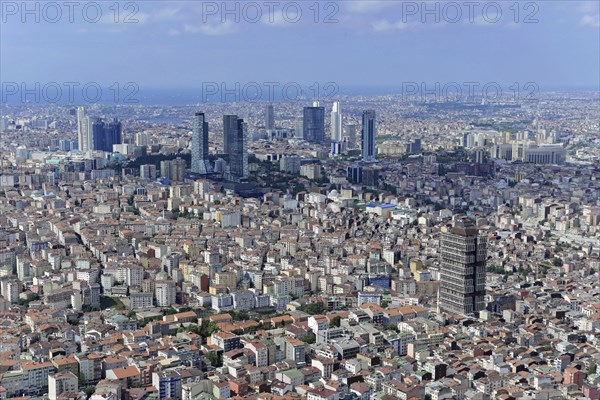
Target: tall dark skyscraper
(351, 133)
(229, 131)
(97, 134)
(414, 147)
(238, 148)
(200, 162)
(104, 135)
(270, 117)
(368, 136)
(314, 124)
(462, 273)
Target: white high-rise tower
(83, 130)
(336, 122)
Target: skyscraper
(165, 169)
(299, 128)
(64, 145)
(148, 171)
(414, 147)
(368, 136)
(313, 124)
(113, 132)
(351, 133)
(200, 162)
(462, 272)
(104, 135)
(173, 170)
(238, 156)
(355, 173)
(229, 130)
(270, 117)
(83, 138)
(336, 122)
(94, 133)
(142, 139)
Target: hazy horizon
(182, 44)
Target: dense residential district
(370, 248)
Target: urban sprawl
(363, 248)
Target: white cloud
(367, 6)
(141, 17)
(278, 19)
(590, 20)
(480, 20)
(386, 26)
(124, 18)
(590, 13)
(383, 26)
(218, 29)
(167, 14)
(589, 7)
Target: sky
(185, 44)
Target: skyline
(382, 42)
(299, 200)
(62, 94)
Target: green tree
(207, 328)
(299, 188)
(25, 302)
(335, 321)
(309, 338)
(168, 311)
(557, 261)
(239, 315)
(592, 368)
(314, 308)
(81, 380)
(216, 360)
(192, 328)
(496, 269)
